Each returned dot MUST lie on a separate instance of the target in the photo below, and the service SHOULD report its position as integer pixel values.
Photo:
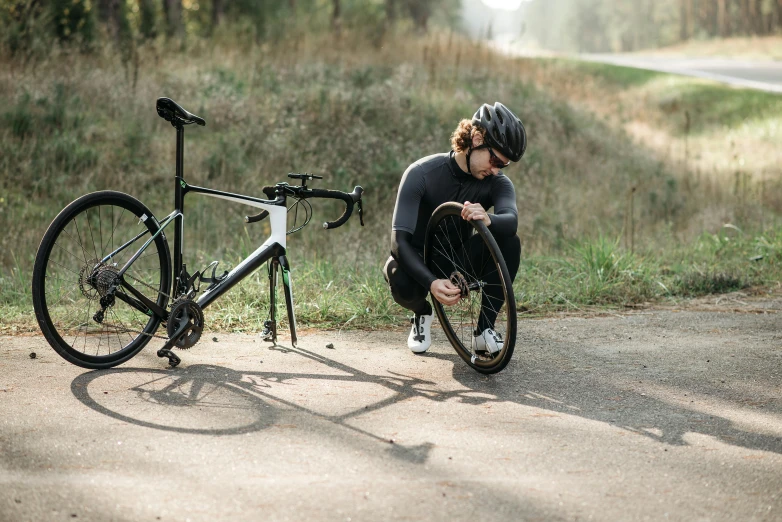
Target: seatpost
(179, 202)
(180, 149)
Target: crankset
(185, 323)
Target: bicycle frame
(274, 248)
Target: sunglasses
(494, 160)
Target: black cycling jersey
(430, 182)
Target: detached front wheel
(466, 253)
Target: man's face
(481, 160)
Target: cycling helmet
(504, 130)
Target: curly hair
(461, 139)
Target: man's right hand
(445, 292)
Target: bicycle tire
(69, 279)
(448, 238)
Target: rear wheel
(466, 253)
(74, 273)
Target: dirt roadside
(670, 412)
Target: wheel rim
(458, 250)
(76, 276)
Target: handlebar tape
(258, 217)
(335, 194)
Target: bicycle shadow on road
(214, 400)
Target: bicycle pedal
(173, 359)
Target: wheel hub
(458, 280)
(104, 278)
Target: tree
(173, 12)
(336, 14)
(73, 20)
(420, 11)
(147, 19)
(113, 15)
(722, 19)
(218, 11)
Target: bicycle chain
(124, 329)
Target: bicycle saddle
(168, 109)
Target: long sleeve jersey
(430, 182)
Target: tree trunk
(391, 11)
(218, 10)
(111, 13)
(336, 15)
(745, 22)
(147, 19)
(420, 10)
(685, 19)
(755, 23)
(173, 12)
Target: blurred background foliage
(622, 25)
(569, 25)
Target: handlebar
(350, 199)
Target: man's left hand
(475, 212)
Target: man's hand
(445, 292)
(475, 212)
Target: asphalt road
(655, 415)
(754, 74)
(762, 75)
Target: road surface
(657, 414)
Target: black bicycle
(104, 280)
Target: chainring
(186, 310)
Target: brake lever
(361, 213)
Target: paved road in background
(673, 415)
(762, 75)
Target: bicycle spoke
(89, 225)
(456, 245)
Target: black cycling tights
(412, 296)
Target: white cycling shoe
(420, 338)
(487, 341)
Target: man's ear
(477, 140)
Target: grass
(589, 275)
(611, 156)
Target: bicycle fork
(279, 264)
